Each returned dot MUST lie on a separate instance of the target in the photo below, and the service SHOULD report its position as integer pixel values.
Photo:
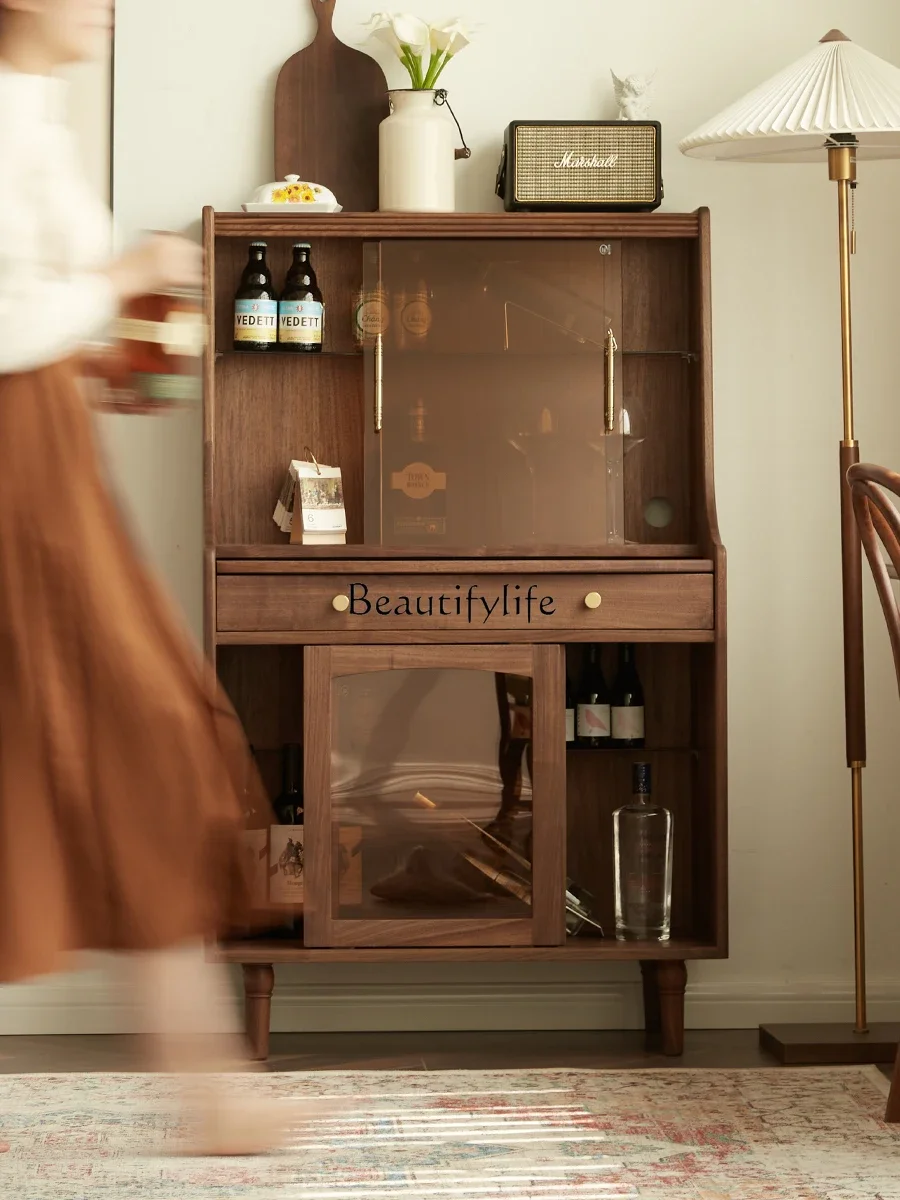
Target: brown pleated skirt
(124, 773)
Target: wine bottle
(417, 480)
(286, 844)
(570, 713)
(627, 701)
(592, 717)
(642, 847)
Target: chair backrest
(878, 522)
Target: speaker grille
(631, 179)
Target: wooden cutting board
(329, 101)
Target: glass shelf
(253, 354)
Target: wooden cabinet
(552, 377)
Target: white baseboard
(92, 1005)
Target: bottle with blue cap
(642, 836)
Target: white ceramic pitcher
(417, 152)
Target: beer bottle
(301, 313)
(255, 304)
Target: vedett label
(255, 321)
(301, 322)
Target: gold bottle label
(371, 316)
(418, 481)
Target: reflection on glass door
(430, 781)
(495, 415)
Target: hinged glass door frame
(380, 409)
(546, 926)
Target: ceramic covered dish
(293, 192)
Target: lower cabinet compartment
(444, 808)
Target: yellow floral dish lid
(291, 194)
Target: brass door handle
(379, 382)
(593, 600)
(340, 603)
(611, 348)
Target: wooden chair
(878, 522)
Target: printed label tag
(286, 864)
(593, 720)
(301, 322)
(372, 317)
(627, 723)
(416, 318)
(256, 321)
(428, 526)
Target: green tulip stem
(413, 65)
(439, 60)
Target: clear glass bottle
(642, 833)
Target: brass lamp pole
(842, 170)
(840, 102)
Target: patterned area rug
(521, 1135)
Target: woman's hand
(161, 262)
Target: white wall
(193, 126)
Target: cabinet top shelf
(377, 225)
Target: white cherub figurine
(633, 96)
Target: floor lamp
(838, 104)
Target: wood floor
(410, 1052)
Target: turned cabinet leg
(652, 1013)
(671, 977)
(259, 984)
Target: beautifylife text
(475, 606)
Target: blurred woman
(122, 766)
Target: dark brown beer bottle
(301, 313)
(256, 305)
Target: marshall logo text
(476, 607)
(586, 162)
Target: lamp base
(821, 1045)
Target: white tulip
(382, 28)
(412, 32)
(451, 39)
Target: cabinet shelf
(393, 352)
(575, 950)
(605, 558)
(609, 751)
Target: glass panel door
(495, 417)
(433, 814)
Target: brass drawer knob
(340, 603)
(592, 600)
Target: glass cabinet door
(494, 415)
(434, 796)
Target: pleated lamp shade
(838, 88)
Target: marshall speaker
(587, 166)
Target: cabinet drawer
(449, 603)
